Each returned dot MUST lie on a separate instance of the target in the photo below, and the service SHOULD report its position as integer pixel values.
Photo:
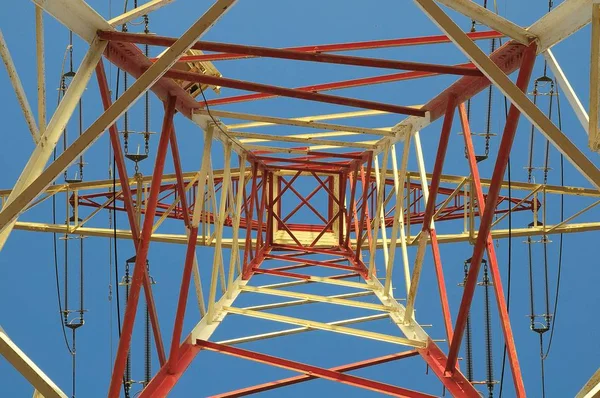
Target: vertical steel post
(508, 136)
(493, 261)
(428, 229)
(139, 270)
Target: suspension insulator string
(486, 283)
(468, 335)
(560, 245)
(114, 211)
(126, 282)
(509, 246)
(548, 316)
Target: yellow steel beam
(293, 303)
(287, 332)
(298, 123)
(316, 298)
(327, 327)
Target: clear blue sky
(27, 287)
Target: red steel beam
(299, 266)
(291, 93)
(333, 169)
(456, 383)
(302, 200)
(343, 181)
(338, 85)
(327, 189)
(270, 211)
(314, 262)
(327, 227)
(493, 261)
(364, 45)
(130, 208)
(439, 164)
(302, 378)
(287, 186)
(118, 152)
(190, 252)
(140, 38)
(130, 58)
(312, 370)
(439, 272)
(312, 250)
(271, 159)
(164, 381)
(508, 57)
(363, 214)
(353, 177)
(179, 177)
(249, 215)
(287, 229)
(262, 208)
(508, 136)
(183, 295)
(280, 273)
(430, 210)
(140, 270)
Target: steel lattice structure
(355, 220)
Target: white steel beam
(399, 182)
(444, 178)
(143, 9)
(594, 118)
(315, 118)
(316, 134)
(227, 242)
(515, 95)
(564, 20)
(41, 68)
(221, 212)
(202, 173)
(34, 186)
(76, 15)
(295, 122)
(315, 298)
(567, 18)
(378, 181)
(591, 389)
(19, 91)
(287, 332)
(316, 141)
(380, 184)
(48, 141)
(327, 327)
(423, 237)
(471, 9)
(234, 257)
(21, 362)
(567, 90)
(304, 301)
(205, 328)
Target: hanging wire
(110, 221)
(509, 249)
(147, 330)
(488, 332)
(218, 124)
(115, 244)
(54, 235)
(468, 333)
(550, 318)
(560, 245)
